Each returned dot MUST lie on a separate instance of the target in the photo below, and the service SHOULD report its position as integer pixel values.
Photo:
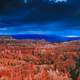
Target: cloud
(71, 36)
(16, 31)
(3, 29)
(56, 1)
(59, 19)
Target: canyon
(27, 59)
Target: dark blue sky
(40, 17)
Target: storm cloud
(39, 16)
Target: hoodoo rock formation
(39, 60)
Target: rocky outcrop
(39, 60)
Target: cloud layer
(40, 18)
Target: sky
(53, 17)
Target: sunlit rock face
(39, 60)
